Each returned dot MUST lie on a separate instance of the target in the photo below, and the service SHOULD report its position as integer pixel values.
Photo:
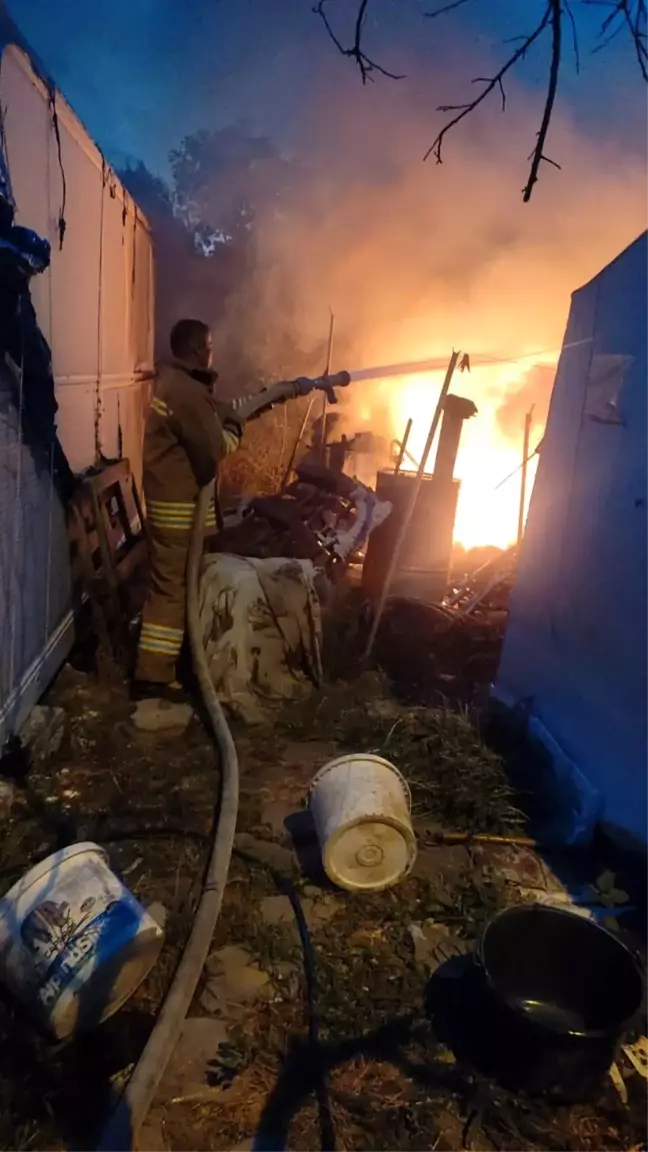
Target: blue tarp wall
(574, 654)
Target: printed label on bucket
(73, 902)
(116, 925)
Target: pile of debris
(324, 516)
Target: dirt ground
(331, 1045)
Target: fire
(486, 453)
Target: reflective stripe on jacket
(177, 514)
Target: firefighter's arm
(205, 437)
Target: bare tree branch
(631, 15)
(572, 21)
(446, 8)
(634, 14)
(628, 15)
(556, 51)
(355, 51)
(552, 18)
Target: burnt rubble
(323, 516)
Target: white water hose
(122, 1128)
(121, 1131)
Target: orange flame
(487, 454)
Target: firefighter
(188, 433)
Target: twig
(572, 21)
(329, 356)
(445, 8)
(355, 51)
(538, 155)
(634, 27)
(631, 14)
(552, 17)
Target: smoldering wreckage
(343, 658)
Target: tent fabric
(23, 254)
(574, 654)
(262, 631)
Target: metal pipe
(403, 447)
(298, 441)
(481, 838)
(523, 482)
(329, 355)
(455, 410)
(400, 540)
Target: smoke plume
(415, 258)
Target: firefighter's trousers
(163, 616)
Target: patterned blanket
(262, 631)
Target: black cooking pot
(558, 992)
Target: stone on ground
(444, 861)
(287, 979)
(42, 733)
(196, 1053)
(435, 946)
(277, 910)
(319, 910)
(158, 913)
(161, 716)
(518, 866)
(234, 984)
(264, 852)
(7, 798)
(274, 815)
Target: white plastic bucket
(74, 942)
(361, 809)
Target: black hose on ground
(120, 1133)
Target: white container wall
(95, 308)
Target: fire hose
(291, 389)
(122, 1128)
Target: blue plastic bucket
(74, 941)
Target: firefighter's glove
(232, 424)
(303, 386)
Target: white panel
(142, 300)
(95, 308)
(26, 125)
(122, 423)
(115, 291)
(75, 266)
(76, 420)
(99, 338)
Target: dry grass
(455, 779)
(391, 1085)
(258, 467)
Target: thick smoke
(415, 258)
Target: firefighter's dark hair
(186, 336)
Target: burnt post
(456, 409)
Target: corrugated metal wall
(95, 308)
